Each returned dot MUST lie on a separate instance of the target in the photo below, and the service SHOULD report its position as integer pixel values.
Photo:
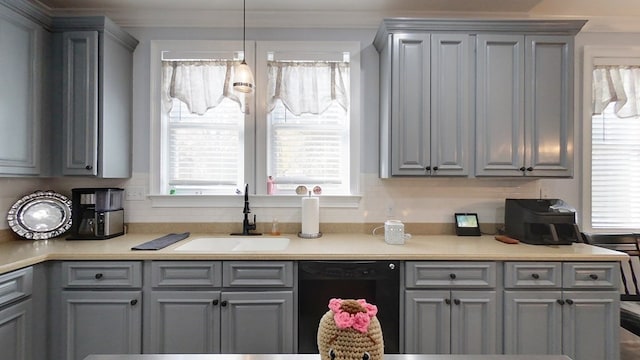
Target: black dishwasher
(378, 282)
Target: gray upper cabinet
(22, 51)
(502, 88)
(524, 103)
(95, 67)
(425, 98)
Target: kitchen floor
(629, 345)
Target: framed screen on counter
(467, 224)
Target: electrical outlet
(134, 193)
(390, 210)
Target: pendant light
(243, 78)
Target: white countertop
(20, 253)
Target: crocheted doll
(350, 331)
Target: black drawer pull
(88, 167)
(593, 277)
(134, 301)
(535, 276)
(99, 276)
(452, 276)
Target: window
(611, 192)
(615, 170)
(215, 144)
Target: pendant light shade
(243, 78)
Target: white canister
(394, 232)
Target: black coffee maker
(96, 213)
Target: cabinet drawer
(533, 275)
(257, 273)
(186, 274)
(112, 274)
(450, 274)
(592, 275)
(15, 285)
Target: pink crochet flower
(359, 321)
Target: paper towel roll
(310, 216)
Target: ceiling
(611, 14)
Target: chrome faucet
(247, 227)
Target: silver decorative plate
(40, 215)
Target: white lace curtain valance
(307, 86)
(619, 85)
(200, 84)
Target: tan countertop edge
(22, 253)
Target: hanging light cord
(244, 31)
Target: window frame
(293, 48)
(596, 55)
(255, 130)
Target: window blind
(615, 189)
(309, 149)
(205, 152)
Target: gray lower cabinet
(452, 308)
(16, 319)
(524, 106)
(22, 52)
(98, 322)
(100, 309)
(570, 309)
(220, 307)
(94, 63)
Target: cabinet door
(257, 322)
(410, 104)
(21, 57)
(451, 94)
(184, 322)
(15, 331)
(100, 322)
(427, 322)
(474, 322)
(500, 105)
(80, 102)
(532, 322)
(591, 323)
(548, 105)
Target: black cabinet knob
(456, 301)
(428, 168)
(569, 302)
(215, 302)
(452, 276)
(98, 276)
(529, 168)
(447, 301)
(560, 301)
(223, 303)
(593, 277)
(435, 168)
(134, 301)
(522, 169)
(88, 167)
(535, 276)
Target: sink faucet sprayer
(247, 227)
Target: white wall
(412, 200)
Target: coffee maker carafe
(96, 213)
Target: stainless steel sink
(235, 244)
